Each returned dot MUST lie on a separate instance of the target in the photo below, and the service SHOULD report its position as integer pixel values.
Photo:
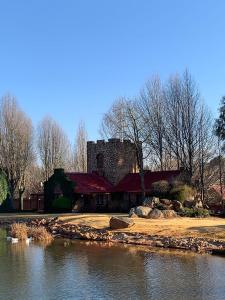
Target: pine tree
(220, 122)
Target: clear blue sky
(72, 58)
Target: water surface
(89, 270)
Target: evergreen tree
(220, 122)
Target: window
(100, 161)
(100, 200)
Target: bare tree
(33, 179)
(16, 145)
(80, 155)
(173, 116)
(205, 149)
(183, 114)
(113, 122)
(153, 112)
(169, 126)
(53, 146)
(134, 125)
(124, 120)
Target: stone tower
(113, 158)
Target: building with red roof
(90, 183)
(111, 183)
(131, 183)
(91, 192)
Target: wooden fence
(34, 203)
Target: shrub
(160, 188)
(39, 234)
(195, 212)
(19, 231)
(182, 193)
(62, 203)
(22, 232)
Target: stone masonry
(113, 158)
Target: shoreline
(60, 229)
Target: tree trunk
(21, 193)
(220, 176)
(141, 171)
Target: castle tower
(113, 158)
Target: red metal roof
(87, 183)
(132, 181)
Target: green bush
(160, 188)
(195, 212)
(62, 203)
(182, 193)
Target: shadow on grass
(208, 229)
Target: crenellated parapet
(113, 158)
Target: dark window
(100, 161)
(100, 200)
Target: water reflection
(91, 270)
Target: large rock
(169, 213)
(177, 206)
(151, 202)
(193, 203)
(133, 215)
(189, 203)
(132, 211)
(143, 211)
(198, 204)
(166, 202)
(156, 214)
(120, 222)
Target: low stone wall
(60, 229)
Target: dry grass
(22, 232)
(19, 231)
(210, 227)
(39, 234)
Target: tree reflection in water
(93, 270)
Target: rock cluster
(156, 208)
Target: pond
(90, 270)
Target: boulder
(156, 214)
(132, 211)
(151, 202)
(120, 222)
(169, 213)
(143, 211)
(166, 202)
(177, 206)
(133, 215)
(189, 203)
(198, 204)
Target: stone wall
(113, 158)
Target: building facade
(112, 159)
(112, 182)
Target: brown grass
(39, 234)
(19, 231)
(210, 227)
(22, 232)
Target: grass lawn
(178, 227)
(194, 227)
